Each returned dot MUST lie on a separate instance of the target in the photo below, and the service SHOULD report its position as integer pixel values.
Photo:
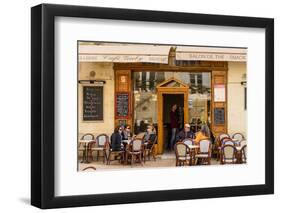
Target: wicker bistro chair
(182, 154)
(135, 150)
(243, 143)
(223, 135)
(228, 154)
(243, 153)
(108, 153)
(149, 149)
(191, 152)
(223, 141)
(81, 148)
(204, 153)
(101, 139)
(88, 136)
(227, 141)
(140, 136)
(216, 148)
(238, 136)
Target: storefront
(138, 84)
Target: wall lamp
(244, 83)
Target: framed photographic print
(136, 106)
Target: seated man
(186, 133)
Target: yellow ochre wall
(104, 71)
(237, 115)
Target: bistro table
(85, 144)
(126, 144)
(193, 152)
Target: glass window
(145, 97)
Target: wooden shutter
(123, 84)
(219, 102)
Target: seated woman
(126, 133)
(116, 139)
(150, 135)
(204, 133)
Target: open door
(170, 86)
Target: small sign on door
(219, 93)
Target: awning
(124, 53)
(211, 54)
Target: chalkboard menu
(122, 104)
(219, 118)
(92, 103)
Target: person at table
(126, 133)
(150, 135)
(186, 133)
(204, 133)
(116, 139)
(174, 124)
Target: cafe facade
(136, 84)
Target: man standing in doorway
(174, 123)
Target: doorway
(168, 101)
(168, 92)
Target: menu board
(122, 104)
(219, 118)
(92, 103)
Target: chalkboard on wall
(122, 105)
(92, 103)
(219, 118)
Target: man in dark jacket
(185, 133)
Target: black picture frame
(43, 105)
